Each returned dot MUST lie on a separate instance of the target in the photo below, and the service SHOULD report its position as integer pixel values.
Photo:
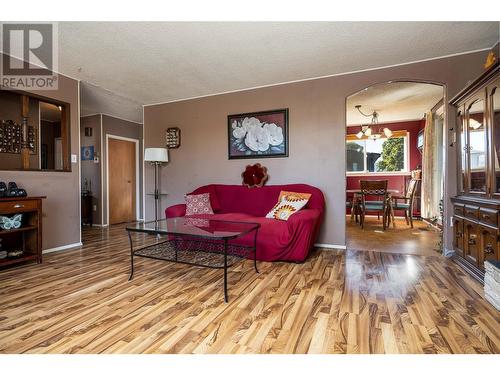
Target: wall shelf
(22, 229)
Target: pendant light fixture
(367, 131)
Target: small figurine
(490, 60)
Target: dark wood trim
(66, 142)
(9, 199)
(482, 80)
(466, 199)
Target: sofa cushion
(214, 202)
(288, 204)
(197, 204)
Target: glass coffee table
(197, 242)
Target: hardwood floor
(80, 301)
(421, 240)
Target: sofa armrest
(303, 227)
(310, 215)
(177, 210)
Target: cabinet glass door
(495, 109)
(463, 151)
(477, 147)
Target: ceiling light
(367, 131)
(474, 124)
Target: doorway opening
(395, 156)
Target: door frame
(137, 192)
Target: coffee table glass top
(197, 227)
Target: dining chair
(408, 201)
(353, 204)
(376, 189)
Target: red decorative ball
(254, 175)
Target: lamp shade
(156, 154)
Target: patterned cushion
(198, 204)
(291, 196)
(288, 204)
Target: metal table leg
(225, 272)
(255, 251)
(131, 256)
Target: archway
(395, 143)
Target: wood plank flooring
(420, 240)
(80, 301)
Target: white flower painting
(261, 134)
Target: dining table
(390, 215)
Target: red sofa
(276, 240)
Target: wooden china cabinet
(476, 207)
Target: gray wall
(61, 209)
(127, 129)
(317, 133)
(91, 170)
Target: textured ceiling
(95, 99)
(151, 62)
(396, 101)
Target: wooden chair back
(374, 188)
(410, 192)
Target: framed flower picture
(258, 134)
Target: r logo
(30, 42)
(29, 56)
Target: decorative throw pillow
(288, 204)
(292, 196)
(214, 202)
(198, 204)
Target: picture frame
(87, 152)
(256, 135)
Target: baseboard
(330, 246)
(61, 248)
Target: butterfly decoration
(13, 222)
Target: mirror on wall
(51, 157)
(34, 133)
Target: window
(383, 155)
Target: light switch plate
(74, 158)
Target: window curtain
(430, 208)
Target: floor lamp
(156, 156)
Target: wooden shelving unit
(28, 238)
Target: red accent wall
(396, 182)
